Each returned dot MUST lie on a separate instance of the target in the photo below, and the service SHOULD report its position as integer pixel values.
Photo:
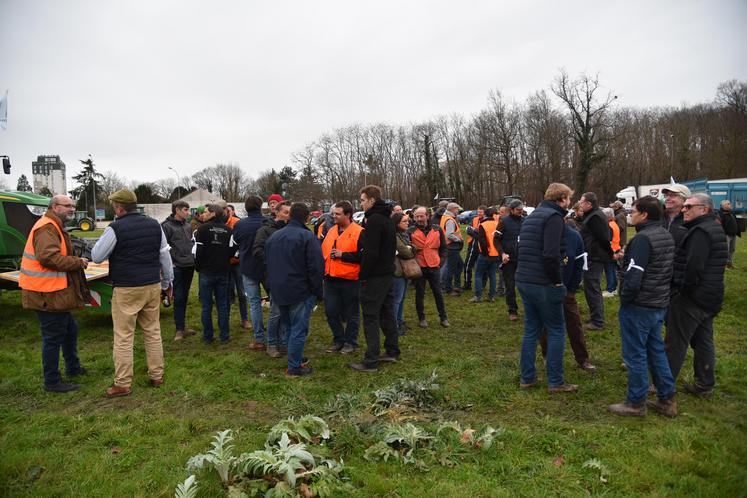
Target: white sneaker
(609, 294)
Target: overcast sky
(144, 85)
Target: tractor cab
(18, 213)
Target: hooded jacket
(179, 237)
(379, 242)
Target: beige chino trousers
(136, 306)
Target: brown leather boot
(118, 391)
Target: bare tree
(504, 124)
(589, 116)
(226, 180)
(110, 183)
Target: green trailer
(18, 213)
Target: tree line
(575, 132)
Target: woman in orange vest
(341, 248)
(53, 285)
(489, 257)
(610, 270)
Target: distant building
(49, 171)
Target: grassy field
(83, 444)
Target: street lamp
(178, 187)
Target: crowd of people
(670, 272)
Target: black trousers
(689, 325)
(593, 292)
(469, 263)
(432, 276)
(377, 305)
(508, 270)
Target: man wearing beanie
(273, 202)
(140, 268)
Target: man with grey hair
(730, 225)
(698, 293)
(452, 276)
(53, 284)
(674, 197)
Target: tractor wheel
(86, 224)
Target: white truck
(732, 189)
(628, 195)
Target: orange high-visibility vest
(320, 229)
(346, 242)
(615, 242)
(490, 226)
(427, 254)
(35, 277)
(475, 224)
(231, 222)
(457, 232)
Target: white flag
(4, 111)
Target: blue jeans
(400, 291)
(58, 331)
(254, 294)
(296, 318)
(452, 275)
(236, 288)
(489, 265)
(342, 305)
(610, 275)
(182, 283)
(543, 307)
(209, 286)
(643, 350)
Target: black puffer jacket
(699, 263)
(647, 267)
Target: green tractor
(80, 221)
(18, 213)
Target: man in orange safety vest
(53, 284)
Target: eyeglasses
(687, 207)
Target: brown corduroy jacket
(47, 248)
